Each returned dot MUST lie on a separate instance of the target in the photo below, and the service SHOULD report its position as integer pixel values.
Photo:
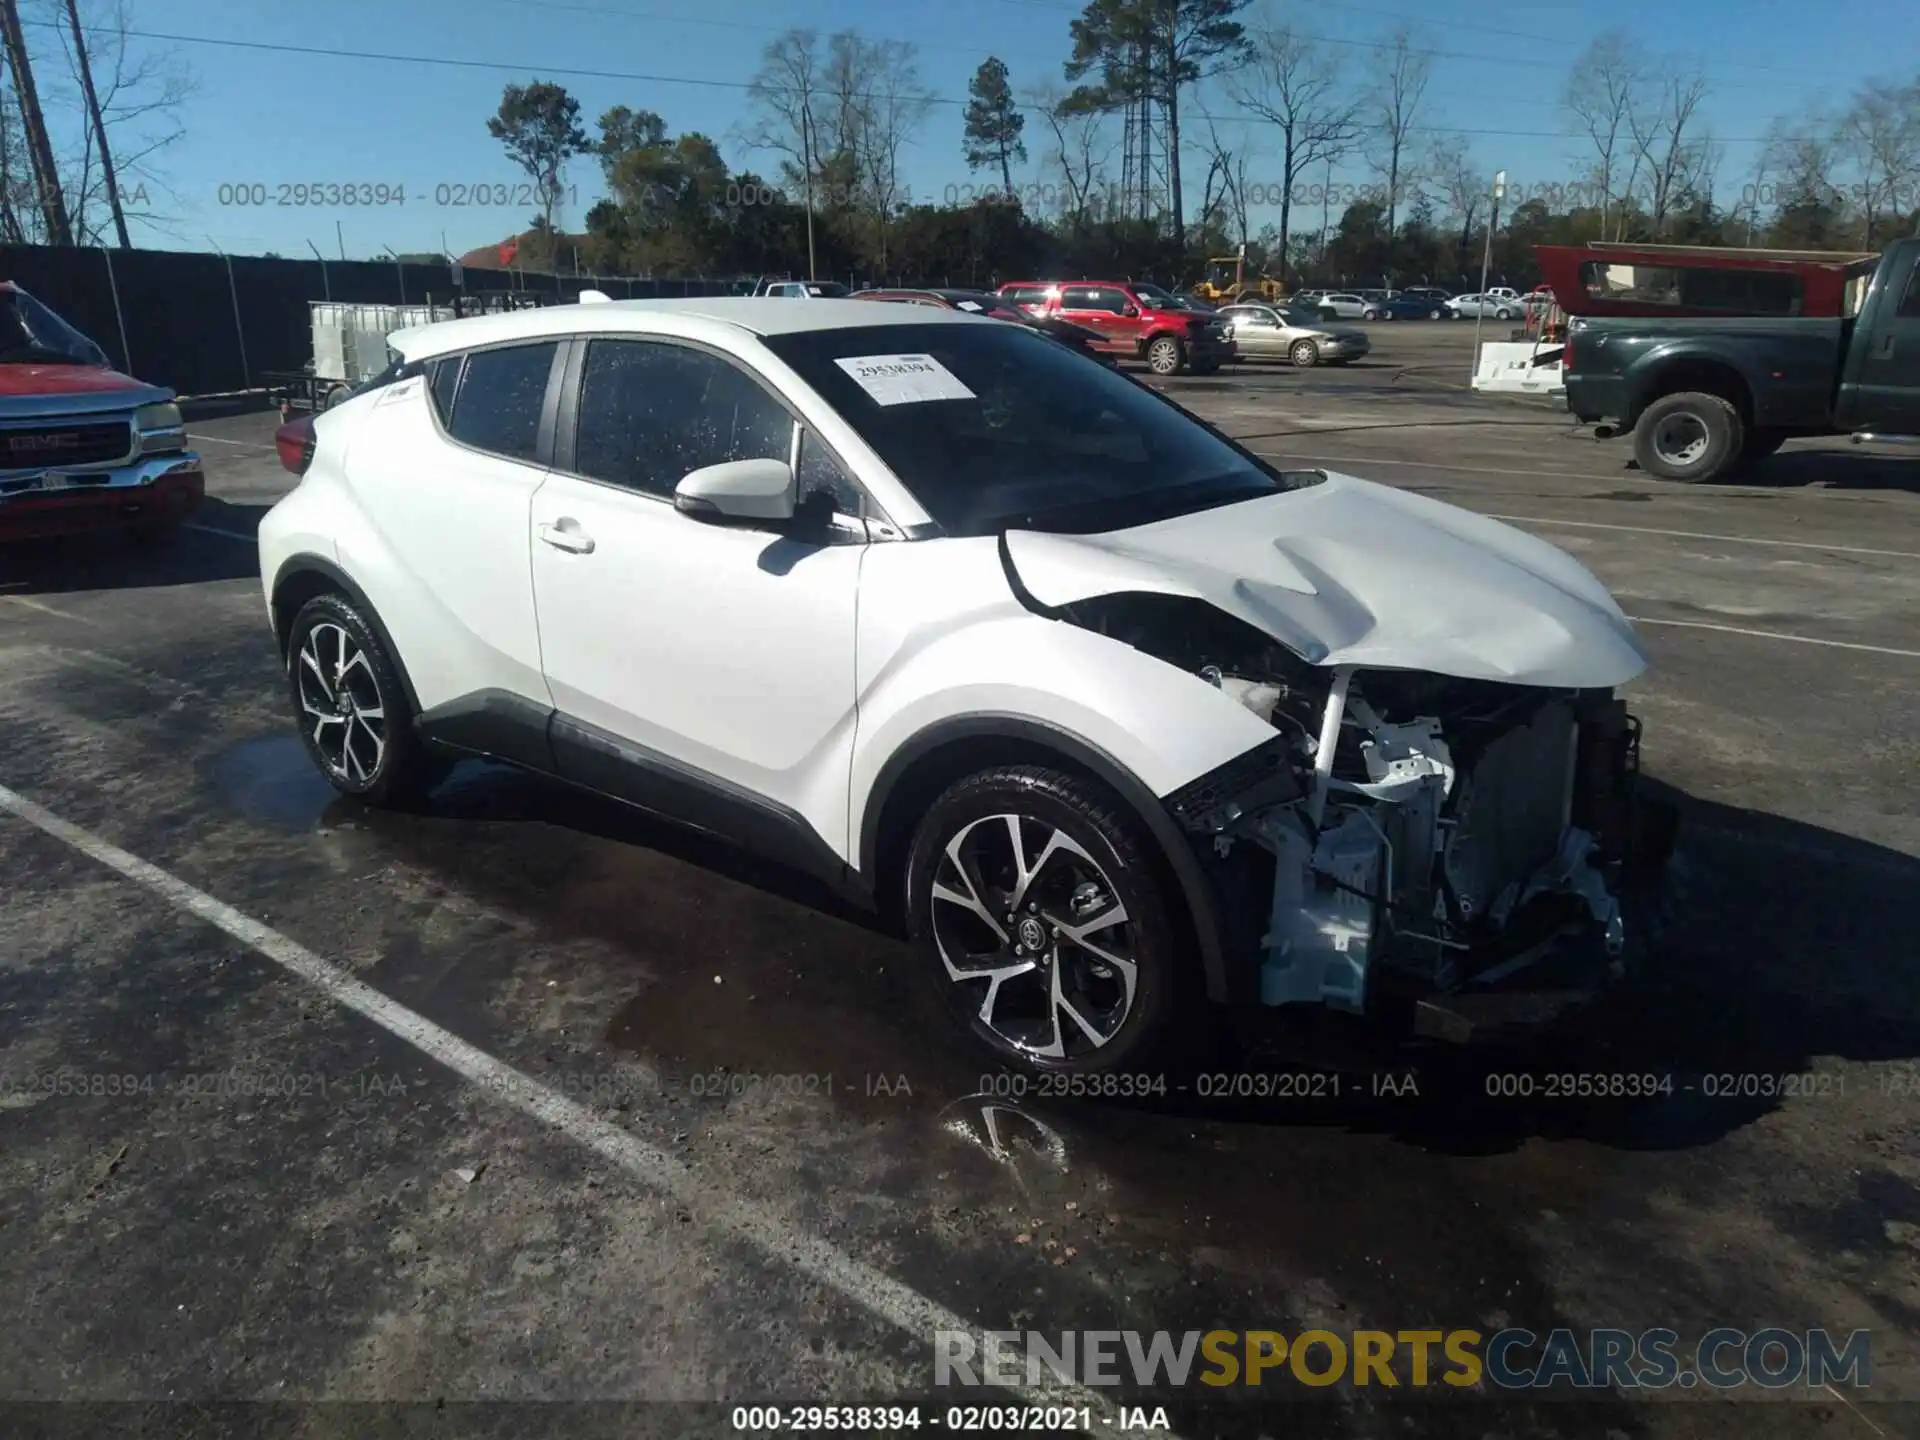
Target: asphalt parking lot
(527, 1099)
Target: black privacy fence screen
(217, 324)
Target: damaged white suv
(1107, 710)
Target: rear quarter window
(498, 405)
(442, 384)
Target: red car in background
(83, 447)
(1134, 321)
(1077, 338)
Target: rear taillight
(294, 442)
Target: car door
(443, 468)
(1887, 395)
(1256, 331)
(704, 670)
(1101, 308)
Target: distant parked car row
(1419, 302)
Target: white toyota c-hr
(1106, 710)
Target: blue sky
(266, 116)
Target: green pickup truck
(1706, 396)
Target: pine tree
(994, 122)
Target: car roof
(756, 314)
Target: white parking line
(1697, 535)
(1778, 635)
(49, 610)
(245, 535)
(897, 1304)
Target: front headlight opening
(161, 428)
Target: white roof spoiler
(595, 297)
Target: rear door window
(1092, 297)
(498, 405)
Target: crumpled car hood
(1349, 572)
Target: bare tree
(1393, 103)
(1877, 140)
(1294, 85)
(1675, 158)
(892, 106)
(1078, 151)
(130, 110)
(12, 232)
(787, 92)
(1224, 195)
(1460, 181)
(49, 199)
(1600, 95)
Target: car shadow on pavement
(216, 544)
(1839, 470)
(1814, 469)
(1783, 946)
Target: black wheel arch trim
(1195, 888)
(310, 564)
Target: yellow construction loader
(1227, 281)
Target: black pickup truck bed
(1706, 397)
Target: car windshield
(31, 334)
(992, 427)
(1298, 315)
(1155, 296)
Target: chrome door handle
(570, 540)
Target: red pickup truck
(83, 447)
(1135, 321)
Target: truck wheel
(1166, 355)
(1305, 354)
(1040, 917)
(1688, 436)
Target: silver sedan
(1282, 332)
(1496, 307)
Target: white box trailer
(349, 346)
(1520, 367)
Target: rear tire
(1063, 961)
(1689, 436)
(352, 709)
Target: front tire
(1042, 919)
(1304, 354)
(1689, 436)
(351, 708)
(1166, 356)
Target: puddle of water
(273, 780)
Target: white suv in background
(1104, 708)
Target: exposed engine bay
(1410, 831)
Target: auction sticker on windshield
(904, 379)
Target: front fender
(942, 636)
